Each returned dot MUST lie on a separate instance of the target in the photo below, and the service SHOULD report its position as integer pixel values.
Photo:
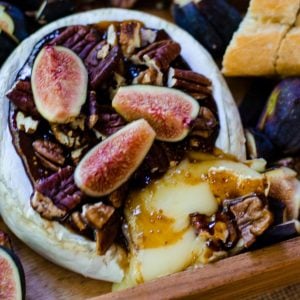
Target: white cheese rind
(51, 239)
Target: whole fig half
(12, 278)
(169, 111)
(59, 84)
(280, 121)
(110, 163)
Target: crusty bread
(276, 11)
(267, 42)
(288, 62)
(253, 49)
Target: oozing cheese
(162, 240)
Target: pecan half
(191, 82)
(21, 96)
(56, 195)
(101, 69)
(158, 55)
(251, 215)
(149, 76)
(50, 154)
(130, 37)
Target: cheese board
(245, 275)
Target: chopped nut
(103, 52)
(77, 154)
(158, 55)
(118, 197)
(93, 109)
(56, 195)
(5, 240)
(26, 124)
(148, 36)
(50, 154)
(21, 96)
(251, 215)
(149, 76)
(118, 81)
(191, 82)
(285, 187)
(97, 215)
(112, 37)
(130, 37)
(77, 221)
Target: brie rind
(51, 239)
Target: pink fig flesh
(110, 163)
(59, 83)
(169, 111)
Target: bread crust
(50, 239)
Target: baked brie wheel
(68, 219)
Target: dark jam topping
(156, 163)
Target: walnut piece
(191, 82)
(130, 37)
(56, 195)
(252, 217)
(5, 240)
(158, 55)
(117, 197)
(50, 154)
(93, 109)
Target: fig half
(12, 278)
(59, 83)
(110, 163)
(169, 111)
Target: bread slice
(278, 11)
(288, 62)
(253, 49)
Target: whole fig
(280, 121)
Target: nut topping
(97, 215)
(158, 55)
(21, 96)
(56, 195)
(191, 82)
(93, 109)
(251, 215)
(149, 76)
(112, 36)
(26, 124)
(123, 3)
(5, 240)
(130, 37)
(50, 154)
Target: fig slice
(12, 278)
(59, 83)
(169, 111)
(110, 163)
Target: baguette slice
(288, 62)
(278, 11)
(253, 49)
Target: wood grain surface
(236, 277)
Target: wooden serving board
(246, 274)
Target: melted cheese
(162, 240)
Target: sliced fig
(169, 111)
(110, 163)
(12, 278)
(59, 84)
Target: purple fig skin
(17, 281)
(110, 163)
(280, 121)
